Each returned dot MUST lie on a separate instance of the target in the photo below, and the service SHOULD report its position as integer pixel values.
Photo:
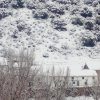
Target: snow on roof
(61, 70)
(84, 72)
(74, 63)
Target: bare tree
(16, 76)
(61, 83)
(51, 86)
(95, 90)
(20, 80)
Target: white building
(84, 77)
(79, 77)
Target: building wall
(73, 81)
(98, 74)
(82, 81)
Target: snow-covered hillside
(60, 31)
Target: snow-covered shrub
(4, 3)
(88, 1)
(30, 5)
(17, 4)
(88, 41)
(20, 3)
(59, 25)
(28, 31)
(74, 11)
(41, 15)
(74, 2)
(56, 10)
(95, 3)
(43, 1)
(63, 1)
(59, 22)
(53, 48)
(64, 46)
(46, 55)
(59, 28)
(1, 33)
(33, 4)
(67, 8)
(52, 16)
(21, 25)
(98, 11)
(96, 27)
(14, 36)
(4, 13)
(77, 21)
(86, 13)
(89, 25)
(98, 37)
(98, 20)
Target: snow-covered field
(76, 98)
(79, 98)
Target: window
(72, 78)
(93, 77)
(86, 83)
(77, 83)
(82, 77)
(73, 82)
(30, 83)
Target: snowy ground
(76, 98)
(80, 98)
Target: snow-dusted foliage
(55, 28)
(4, 13)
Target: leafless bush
(16, 76)
(20, 80)
(61, 83)
(94, 91)
(52, 86)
